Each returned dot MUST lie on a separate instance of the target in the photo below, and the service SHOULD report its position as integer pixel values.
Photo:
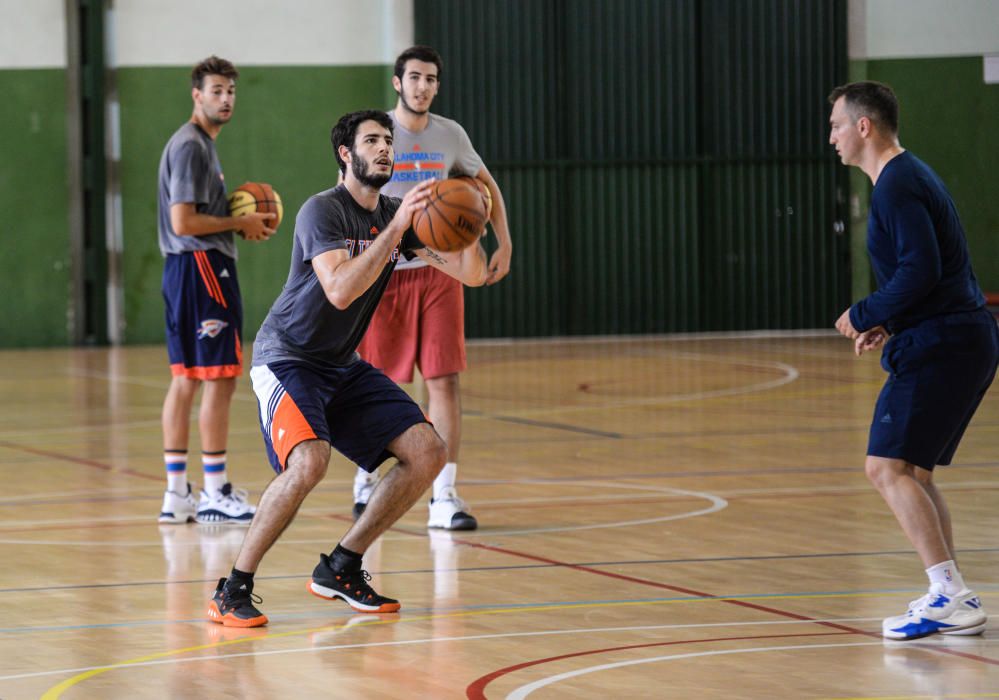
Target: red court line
(701, 594)
(666, 586)
(476, 689)
(78, 460)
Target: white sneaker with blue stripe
(227, 506)
(937, 613)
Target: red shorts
(419, 321)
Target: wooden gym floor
(661, 518)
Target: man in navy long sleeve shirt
(941, 356)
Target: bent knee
(420, 448)
(437, 452)
(882, 471)
(431, 455)
(308, 463)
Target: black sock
(237, 579)
(342, 558)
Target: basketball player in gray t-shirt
(204, 315)
(315, 393)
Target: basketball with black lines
(454, 216)
(256, 197)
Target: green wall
(948, 118)
(34, 255)
(665, 165)
(279, 134)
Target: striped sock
(215, 477)
(176, 469)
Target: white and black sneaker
(937, 613)
(227, 506)
(449, 512)
(178, 508)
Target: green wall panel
(279, 134)
(688, 182)
(33, 196)
(948, 119)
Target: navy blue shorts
(204, 315)
(357, 409)
(939, 372)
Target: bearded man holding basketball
(421, 320)
(313, 390)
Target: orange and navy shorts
(204, 315)
(419, 321)
(356, 408)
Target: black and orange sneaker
(234, 608)
(350, 585)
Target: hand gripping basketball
(256, 197)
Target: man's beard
(403, 98)
(359, 167)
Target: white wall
(922, 28)
(32, 34)
(261, 32)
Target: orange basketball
(256, 197)
(454, 216)
(484, 189)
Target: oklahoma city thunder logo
(211, 328)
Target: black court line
(546, 424)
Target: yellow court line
(56, 691)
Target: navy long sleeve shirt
(918, 251)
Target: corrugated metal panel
(666, 160)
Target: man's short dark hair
(871, 99)
(344, 131)
(426, 54)
(213, 65)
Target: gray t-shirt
(302, 324)
(190, 172)
(441, 150)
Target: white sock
(176, 469)
(362, 485)
(946, 574)
(215, 476)
(446, 479)
(365, 477)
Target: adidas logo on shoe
(937, 613)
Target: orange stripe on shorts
(208, 277)
(288, 428)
